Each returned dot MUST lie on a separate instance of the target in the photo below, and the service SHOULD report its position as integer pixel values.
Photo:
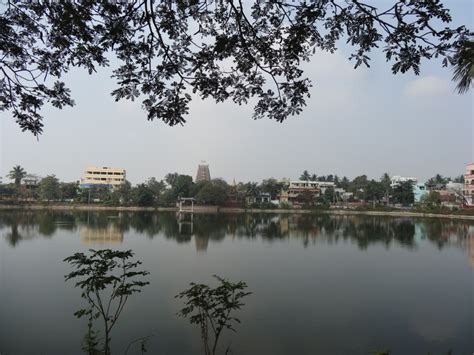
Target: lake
(320, 284)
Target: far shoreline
(227, 210)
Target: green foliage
(171, 178)
(143, 196)
(167, 198)
(68, 191)
(271, 186)
(433, 199)
(49, 188)
(7, 191)
(403, 193)
(212, 192)
(305, 176)
(375, 191)
(344, 184)
(181, 185)
(162, 58)
(358, 186)
(156, 187)
(329, 194)
(96, 193)
(121, 195)
(107, 278)
(17, 173)
(438, 179)
(463, 65)
(252, 189)
(212, 309)
(459, 179)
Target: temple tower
(203, 173)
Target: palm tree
(463, 66)
(305, 176)
(17, 174)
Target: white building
(105, 176)
(293, 190)
(397, 179)
(31, 180)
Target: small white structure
(397, 180)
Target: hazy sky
(357, 121)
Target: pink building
(469, 184)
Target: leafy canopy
(225, 50)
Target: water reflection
(375, 282)
(101, 236)
(103, 228)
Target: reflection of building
(203, 173)
(105, 235)
(470, 245)
(201, 243)
(104, 176)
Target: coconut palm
(463, 66)
(17, 174)
(305, 176)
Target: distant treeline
(215, 192)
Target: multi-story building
(397, 179)
(105, 176)
(31, 180)
(203, 173)
(419, 189)
(469, 184)
(294, 191)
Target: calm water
(321, 285)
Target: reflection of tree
(364, 231)
(14, 236)
(107, 278)
(46, 224)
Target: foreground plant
(107, 279)
(212, 308)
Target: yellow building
(103, 176)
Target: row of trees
(152, 192)
(165, 192)
(365, 189)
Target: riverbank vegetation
(362, 193)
